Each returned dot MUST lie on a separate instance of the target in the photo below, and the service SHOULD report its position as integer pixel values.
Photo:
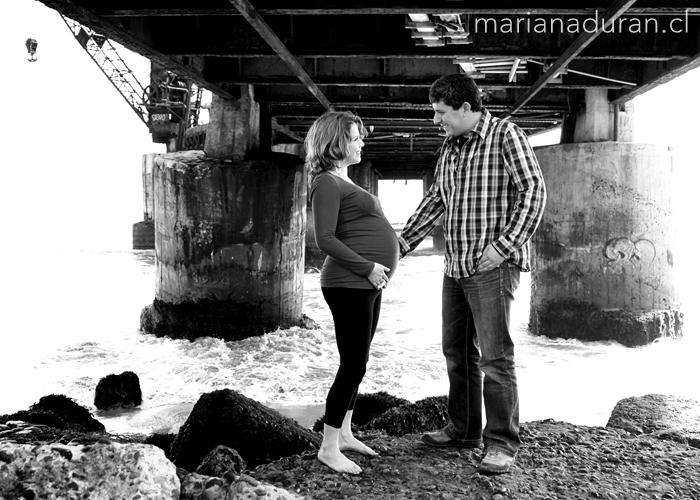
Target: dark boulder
(665, 417)
(367, 408)
(118, 391)
(225, 417)
(60, 412)
(221, 319)
(161, 440)
(575, 319)
(428, 414)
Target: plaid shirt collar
(481, 129)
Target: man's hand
(490, 259)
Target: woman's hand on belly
(378, 276)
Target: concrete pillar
(265, 131)
(147, 180)
(438, 231)
(600, 120)
(143, 233)
(313, 257)
(229, 246)
(234, 126)
(568, 128)
(595, 123)
(603, 266)
(361, 174)
(624, 122)
(295, 148)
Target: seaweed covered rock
(60, 412)
(668, 417)
(428, 414)
(367, 408)
(118, 391)
(228, 418)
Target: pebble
(349, 490)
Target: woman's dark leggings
(355, 314)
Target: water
(70, 317)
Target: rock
(200, 487)
(368, 407)
(228, 418)
(586, 321)
(56, 471)
(118, 391)
(223, 319)
(221, 460)
(645, 460)
(428, 414)
(60, 412)
(162, 441)
(667, 417)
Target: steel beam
(257, 22)
(609, 16)
(659, 76)
(318, 7)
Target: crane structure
(167, 106)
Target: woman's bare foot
(338, 462)
(350, 443)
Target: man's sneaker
(443, 440)
(496, 462)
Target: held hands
(378, 276)
(490, 259)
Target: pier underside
(274, 68)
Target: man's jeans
(476, 316)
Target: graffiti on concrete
(620, 251)
(204, 278)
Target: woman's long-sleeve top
(352, 231)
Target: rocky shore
(650, 449)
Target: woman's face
(354, 148)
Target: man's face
(455, 122)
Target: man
(489, 186)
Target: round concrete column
(143, 233)
(229, 246)
(603, 254)
(296, 149)
(362, 175)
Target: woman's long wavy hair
(328, 140)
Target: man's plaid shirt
(490, 189)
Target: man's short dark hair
(454, 90)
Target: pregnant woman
(362, 253)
